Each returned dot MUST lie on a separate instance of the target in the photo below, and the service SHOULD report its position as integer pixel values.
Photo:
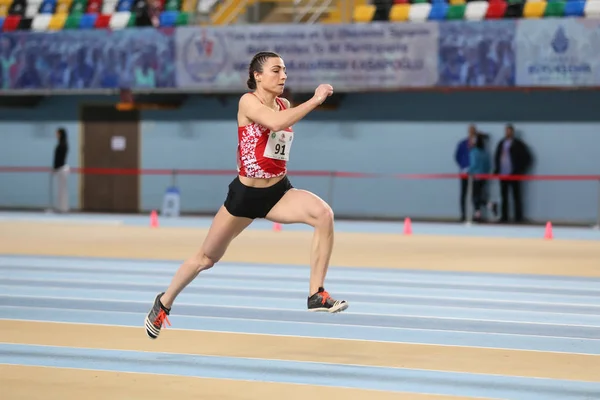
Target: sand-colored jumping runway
(431, 316)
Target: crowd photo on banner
(503, 53)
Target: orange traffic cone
(548, 234)
(407, 226)
(277, 227)
(154, 219)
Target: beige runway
(377, 251)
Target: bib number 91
(278, 146)
(280, 149)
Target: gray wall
(406, 132)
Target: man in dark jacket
(512, 158)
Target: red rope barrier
(336, 174)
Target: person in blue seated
(479, 163)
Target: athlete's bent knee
(324, 216)
(207, 262)
(202, 262)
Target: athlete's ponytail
(251, 82)
(256, 65)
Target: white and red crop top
(262, 153)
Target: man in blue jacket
(461, 156)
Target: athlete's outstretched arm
(252, 108)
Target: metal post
(220, 11)
(469, 200)
(306, 9)
(295, 7)
(319, 11)
(330, 188)
(50, 193)
(597, 227)
(174, 178)
(236, 13)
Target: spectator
(61, 170)
(154, 10)
(73, 59)
(512, 158)
(81, 71)
(147, 13)
(479, 163)
(29, 77)
(461, 156)
(382, 9)
(144, 72)
(8, 61)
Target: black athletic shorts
(250, 202)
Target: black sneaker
(322, 301)
(156, 318)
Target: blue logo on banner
(557, 53)
(204, 56)
(561, 65)
(560, 43)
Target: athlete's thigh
(224, 228)
(299, 206)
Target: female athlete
(262, 189)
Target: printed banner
(477, 53)
(558, 52)
(350, 57)
(87, 59)
(355, 57)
